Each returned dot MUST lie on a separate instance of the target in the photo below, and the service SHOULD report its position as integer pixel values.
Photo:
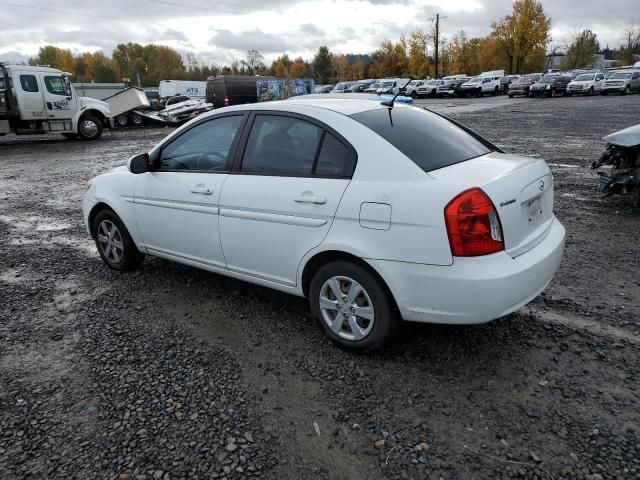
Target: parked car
(550, 85)
(505, 82)
(450, 88)
(622, 82)
(430, 88)
(341, 87)
(374, 213)
(586, 84)
(521, 85)
(373, 88)
(387, 86)
(360, 86)
(324, 88)
(411, 90)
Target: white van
(192, 89)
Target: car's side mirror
(139, 163)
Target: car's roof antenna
(390, 102)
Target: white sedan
(376, 213)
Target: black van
(225, 90)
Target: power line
(437, 40)
(195, 7)
(67, 12)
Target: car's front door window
(205, 147)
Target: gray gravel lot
(171, 372)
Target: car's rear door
(281, 198)
(176, 204)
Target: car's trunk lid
(521, 189)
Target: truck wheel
(136, 119)
(122, 120)
(89, 128)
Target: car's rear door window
(281, 146)
(335, 159)
(429, 140)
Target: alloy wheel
(110, 241)
(89, 128)
(346, 308)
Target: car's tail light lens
(473, 225)
(226, 101)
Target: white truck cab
(37, 100)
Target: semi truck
(38, 100)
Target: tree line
(517, 43)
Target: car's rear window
(429, 140)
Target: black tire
(122, 120)
(89, 127)
(130, 257)
(496, 91)
(71, 136)
(414, 95)
(385, 316)
(591, 92)
(510, 96)
(137, 119)
(627, 90)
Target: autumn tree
(340, 66)
(632, 47)
(521, 34)
(464, 52)
(322, 68)
(55, 57)
(581, 49)
(300, 69)
(390, 60)
(417, 60)
(281, 65)
(253, 62)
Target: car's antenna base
(389, 103)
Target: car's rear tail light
(226, 101)
(473, 225)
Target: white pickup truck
(486, 82)
(37, 100)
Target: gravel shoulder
(171, 372)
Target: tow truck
(38, 100)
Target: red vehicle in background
(521, 85)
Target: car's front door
(282, 199)
(176, 204)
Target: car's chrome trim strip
(273, 217)
(178, 205)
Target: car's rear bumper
(474, 290)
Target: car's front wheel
(115, 246)
(353, 306)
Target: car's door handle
(202, 190)
(310, 199)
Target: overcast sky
(223, 31)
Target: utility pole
(437, 39)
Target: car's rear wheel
(353, 306)
(115, 245)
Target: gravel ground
(171, 372)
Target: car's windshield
(585, 77)
(375, 85)
(341, 86)
(429, 140)
(621, 75)
(386, 84)
(547, 79)
(475, 80)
